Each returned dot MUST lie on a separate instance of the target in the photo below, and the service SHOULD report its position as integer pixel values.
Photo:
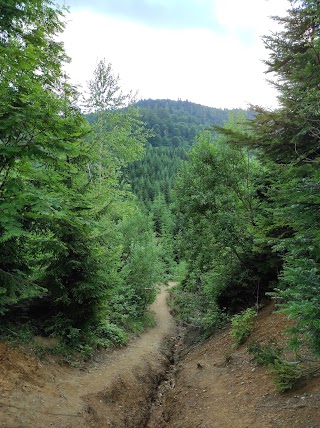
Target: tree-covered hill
(173, 126)
(176, 123)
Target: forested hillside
(176, 123)
(173, 127)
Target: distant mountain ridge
(174, 126)
(176, 123)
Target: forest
(103, 199)
(173, 126)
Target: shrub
(285, 374)
(267, 354)
(109, 333)
(242, 325)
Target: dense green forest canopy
(176, 123)
(173, 127)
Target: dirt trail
(212, 386)
(114, 391)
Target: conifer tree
(287, 140)
(290, 138)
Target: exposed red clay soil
(210, 387)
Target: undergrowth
(242, 325)
(195, 312)
(73, 345)
(285, 374)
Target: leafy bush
(180, 271)
(242, 325)
(285, 373)
(111, 334)
(196, 311)
(299, 293)
(16, 333)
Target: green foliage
(163, 223)
(173, 127)
(217, 210)
(141, 272)
(109, 334)
(265, 355)
(16, 333)
(176, 123)
(242, 325)
(154, 175)
(285, 374)
(300, 283)
(285, 240)
(105, 91)
(64, 228)
(196, 311)
(40, 146)
(180, 271)
(289, 139)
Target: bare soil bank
(210, 387)
(218, 388)
(116, 390)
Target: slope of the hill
(211, 386)
(216, 387)
(176, 123)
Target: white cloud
(248, 14)
(204, 66)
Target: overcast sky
(207, 51)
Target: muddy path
(116, 390)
